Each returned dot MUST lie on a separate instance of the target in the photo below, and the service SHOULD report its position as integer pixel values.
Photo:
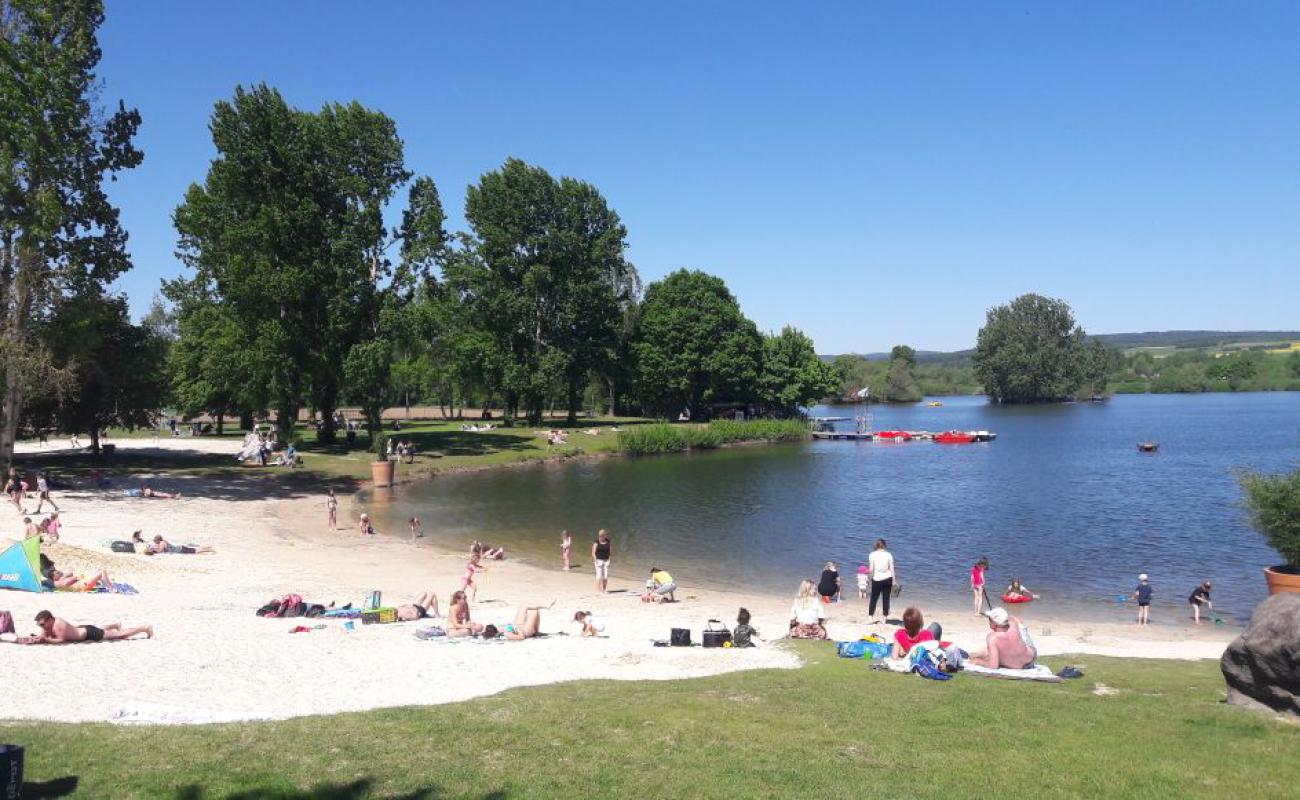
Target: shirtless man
(55, 630)
(458, 621)
(76, 583)
(426, 605)
(1004, 647)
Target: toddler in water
(1143, 595)
(864, 581)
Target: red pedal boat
(892, 436)
(954, 437)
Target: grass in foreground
(832, 729)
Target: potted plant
(381, 469)
(1273, 502)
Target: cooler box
(379, 616)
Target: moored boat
(954, 437)
(893, 436)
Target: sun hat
(1142, 577)
(998, 615)
(862, 569)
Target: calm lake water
(1062, 500)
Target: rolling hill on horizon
(1185, 339)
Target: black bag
(11, 771)
(716, 636)
(122, 547)
(681, 637)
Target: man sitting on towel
(1006, 646)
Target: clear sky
(874, 173)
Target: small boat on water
(893, 436)
(984, 436)
(934, 404)
(954, 437)
(1148, 447)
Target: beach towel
(1038, 672)
(343, 613)
(158, 714)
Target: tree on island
(694, 347)
(900, 387)
(1031, 351)
(59, 235)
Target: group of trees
(1031, 350)
(292, 301)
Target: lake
(1062, 500)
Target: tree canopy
(1030, 351)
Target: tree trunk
(12, 408)
(221, 419)
(245, 419)
(286, 418)
(94, 439)
(574, 399)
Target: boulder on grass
(1262, 666)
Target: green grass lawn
(832, 729)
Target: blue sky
(873, 173)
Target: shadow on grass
(341, 791)
(59, 787)
(191, 473)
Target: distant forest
(1153, 361)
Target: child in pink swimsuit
(977, 583)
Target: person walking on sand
(43, 493)
(13, 488)
(332, 509)
(566, 547)
(602, 552)
(977, 584)
(883, 574)
(1143, 596)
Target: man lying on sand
(153, 494)
(55, 630)
(426, 605)
(161, 546)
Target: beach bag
(680, 637)
(122, 547)
(856, 649)
(715, 635)
(373, 600)
(897, 590)
(6, 622)
(11, 771)
(926, 666)
(269, 610)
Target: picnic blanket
(1037, 672)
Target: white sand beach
(214, 660)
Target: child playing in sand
(475, 564)
(977, 583)
(591, 625)
(366, 528)
(566, 547)
(864, 581)
(1143, 596)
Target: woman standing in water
(602, 552)
(882, 579)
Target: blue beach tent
(20, 566)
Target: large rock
(1262, 666)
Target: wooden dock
(860, 437)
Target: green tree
(547, 279)
(793, 374)
(119, 368)
(900, 386)
(694, 347)
(286, 233)
(1030, 351)
(59, 235)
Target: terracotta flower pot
(382, 472)
(1282, 580)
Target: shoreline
(214, 661)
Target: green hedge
(665, 438)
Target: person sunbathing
(161, 546)
(55, 630)
(528, 619)
(426, 605)
(78, 583)
(458, 621)
(1007, 645)
(150, 493)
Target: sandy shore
(214, 660)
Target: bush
(379, 445)
(1274, 505)
(664, 438)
